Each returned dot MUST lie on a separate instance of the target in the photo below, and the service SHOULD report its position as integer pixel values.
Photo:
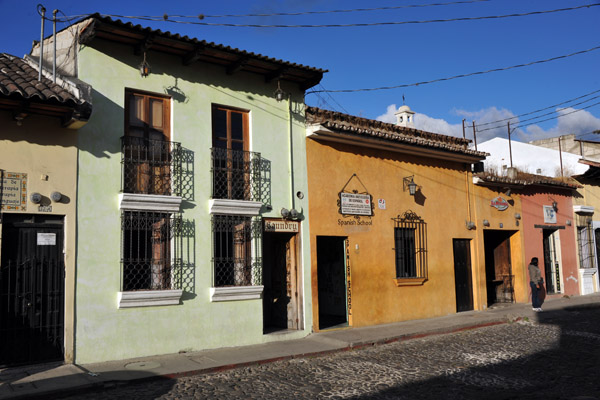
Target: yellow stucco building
(38, 193)
(397, 224)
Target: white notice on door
(46, 239)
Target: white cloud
(572, 121)
(578, 122)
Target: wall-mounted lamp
(568, 222)
(409, 183)
(35, 198)
(144, 67)
(517, 216)
(508, 192)
(486, 222)
(555, 206)
(289, 214)
(279, 94)
(470, 225)
(56, 196)
(285, 213)
(294, 214)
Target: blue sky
(392, 55)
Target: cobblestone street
(557, 357)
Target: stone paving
(557, 357)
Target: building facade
(393, 234)
(192, 196)
(38, 198)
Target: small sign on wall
(381, 204)
(549, 215)
(46, 239)
(13, 191)
(355, 204)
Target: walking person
(536, 282)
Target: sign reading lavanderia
(355, 204)
(13, 191)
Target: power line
(541, 109)
(519, 125)
(457, 76)
(334, 11)
(166, 18)
(539, 116)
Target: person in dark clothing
(535, 281)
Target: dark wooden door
(31, 290)
(462, 275)
(332, 280)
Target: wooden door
(462, 274)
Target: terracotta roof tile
(367, 127)
(525, 179)
(19, 79)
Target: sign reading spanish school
(499, 203)
(355, 204)
(13, 191)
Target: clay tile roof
(382, 130)
(525, 179)
(192, 50)
(19, 79)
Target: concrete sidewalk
(45, 380)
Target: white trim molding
(583, 209)
(148, 298)
(234, 207)
(233, 293)
(149, 202)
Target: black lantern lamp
(409, 183)
(279, 94)
(144, 67)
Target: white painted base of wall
(233, 293)
(587, 279)
(148, 298)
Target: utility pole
(43, 10)
(474, 136)
(464, 134)
(54, 40)
(560, 156)
(509, 145)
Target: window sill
(410, 281)
(149, 298)
(149, 202)
(234, 207)
(234, 293)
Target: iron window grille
(236, 174)
(151, 166)
(410, 237)
(151, 250)
(585, 243)
(236, 243)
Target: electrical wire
(364, 24)
(541, 109)
(457, 76)
(519, 125)
(539, 116)
(333, 11)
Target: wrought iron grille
(31, 310)
(151, 250)
(150, 166)
(410, 236)
(236, 174)
(236, 250)
(585, 243)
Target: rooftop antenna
(54, 40)
(43, 11)
(403, 100)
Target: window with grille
(236, 250)
(148, 155)
(149, 254)
(410, 239)
(231, 161)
